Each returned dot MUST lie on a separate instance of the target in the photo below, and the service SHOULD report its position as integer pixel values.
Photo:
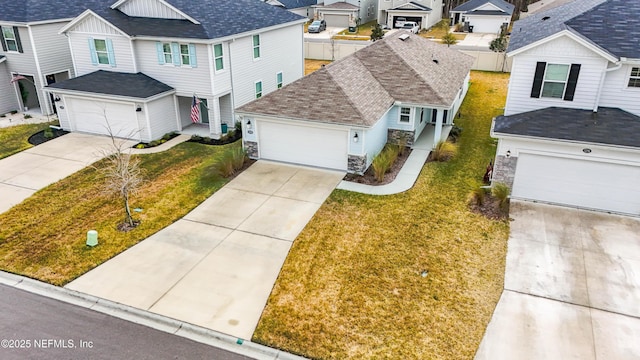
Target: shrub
(459, 27)
(444, 150)
(449, 39)
(224, 167)
(27, 116)
(239, 156)
(196, 138)
(168, 136)
(13, 112)
(377, 33)
(500, 191)
(402, 145)
(477, 195)
(381, 164)
(455, 132)
(393, 150)
(238, 127)
(48, 133)
(140, 146)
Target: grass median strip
(409, 276)
(44, 236)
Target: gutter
(500, 135)
(602, 77)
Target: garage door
(581, 183)
(337, 20)
(304, 145)
(416, 19)
(92, 117)
(484, 25)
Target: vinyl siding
(93, 25)
(280, 50)
(559, 51)
(82, 55)
(22, 63)
(162, 116)
(617, 94)
(185, 79)
(63, 115)
(8, 97)
(393, 117)
(149, 8)
(53, 50)
(375, 139)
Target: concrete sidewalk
(572, 287)
(216, 267)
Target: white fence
(324, 49)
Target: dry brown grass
(311, 65)
(15, 138)
(351, 286)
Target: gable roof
(340, 6)
(28, 11)
(104, 82)
(412, 6)
(294, 4)
(533, 28)
(603, 127)
(361, 88)
(474, 4)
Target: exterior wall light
(586, 151)
(508, 155)
(248, 124)
(355, 138)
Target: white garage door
(303, 145)
(92, 116)
(483, 24)
(337, 20)
(581, 183)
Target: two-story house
(424, 12)
(344, 13)
(33, 51)
(148, 67)
(570, 133)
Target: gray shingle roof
(419, 7)
(341, 6)
(218, 18)
(608, 126)
(473, 4)
(533, 28)
(294, 4)
(104, 82)
(360, 89)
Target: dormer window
(634, 77)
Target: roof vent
(403, 37)
(435, 61)
(546, 18)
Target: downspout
(602, 77)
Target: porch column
(437, 133)
(215, 126)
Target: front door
(204, 111)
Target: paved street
(36, 327)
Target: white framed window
(634, 77)
(405, 115)
(218, 57)
(279, 80)
(9, 38)
(555, 80)
(258, 89)
(185, 55)
(167, 54)
(256, 46)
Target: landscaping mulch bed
(39, 138)
(154, 143)
(369, 177)
(490, 208)
(222, 141)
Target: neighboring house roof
(544, 5)
(533, 28)
(340, 6)
(26, 11)
(608, 126)
(114, 83)
(360, 89)
(474, 4)
(295, 4)
(487, 12)
(415, 7)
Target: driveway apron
(216, 267)
(26, 172)
(572, 287)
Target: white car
(399, 22)
(411, 26)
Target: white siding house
(570, 134)
(424, 12)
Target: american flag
(16, 78)
(195, 109)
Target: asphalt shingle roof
(104, 82)
(608, 126)
(360, 89)
(419, 7)
(218, 18)
(294, 4)
(473, 4)
(341, 5)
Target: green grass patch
(14, 139)
(44, 237)
(363, 30)
(351, 287)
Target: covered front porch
(429, 137)
(213, 118)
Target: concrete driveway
(26, 172)
(572, 287)
(216, 267)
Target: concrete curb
(146, 318)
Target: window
(557, 81)
(258, 89)
(634, 78)
(10, 40)
(405, 115)
(279, 79)
(217, 56)
(256, 46)
(101, 52)
(166, 53)
(184, 54)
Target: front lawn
(44, 237)
(14, 139)
(410, 276)
(311, 65)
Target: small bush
(477, 195)
(140, 146)
(196, 138)
(13, 112)
(3, 115)
(444, 151)
(402, 146)
(459, 27)
(239, 156)
(48, 133)
(154, 143)
(238, 127)
(393, 150)
(455, 132)
(27, 116)
(224, 167)
(381, 164)
(449, 39)
(500, 191)
(169, 136)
